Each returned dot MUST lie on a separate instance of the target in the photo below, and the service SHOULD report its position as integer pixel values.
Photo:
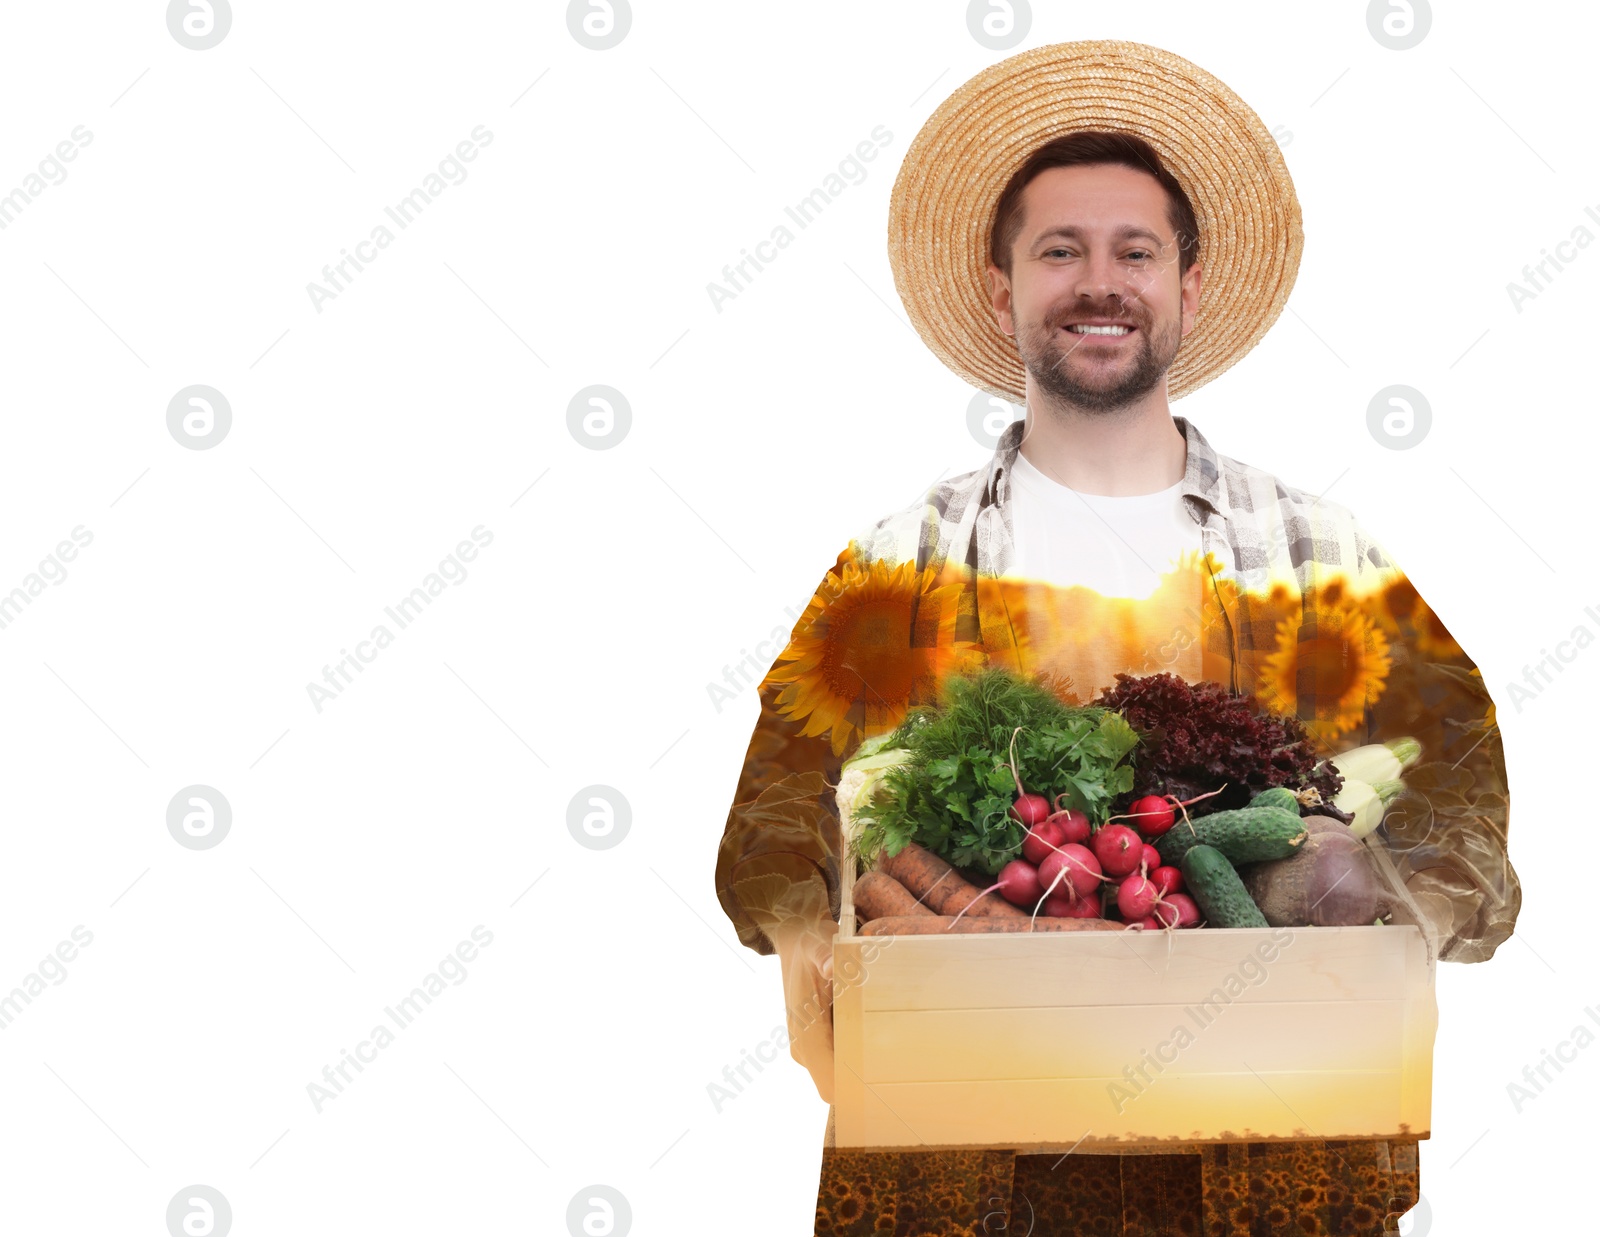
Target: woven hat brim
(942, 207)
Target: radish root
(1059, 876)
(1180, 804)
(1011, 751)
(970, 904)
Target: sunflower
(1194, 601)
(850, 669)
(1338, 655)
(1192, 573)
(1398, 602)
(1434, 640)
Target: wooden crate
(1040, 1041)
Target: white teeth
(1081, 329)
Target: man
(1092, 263)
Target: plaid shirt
(1254, 523)
(1263, 537)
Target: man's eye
(1137, 253)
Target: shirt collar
(1201, 475)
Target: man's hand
(791, 909)
(805, 951)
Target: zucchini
(1244, 835)
(1218, 890)
(1278, 796)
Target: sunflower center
(871, 646)
(1332, 666)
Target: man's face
(1095, 248)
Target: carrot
(937, 925)
(939, 887)
(877, 896)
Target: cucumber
(1244, 835)
(1218, 891)
(1278, 796)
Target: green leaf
(955, 789)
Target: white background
(371, 437)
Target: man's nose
(1101, 280)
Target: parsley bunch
(954, 792)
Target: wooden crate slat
(985, 972)
(1099, 1041)
(1198, 1107)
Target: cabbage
(860, 775)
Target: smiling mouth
(1088, 331)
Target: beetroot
(1330, 881)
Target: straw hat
(943, 205)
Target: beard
(1096, 384)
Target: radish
(1073, 864)
(1137, 897)
(1151, 815)
(1030, 809)
(1149, 921)
(1167, 879)
(1074, 824)
(1149, 858)
(1042, 839)
(1118, 848)
(1187, 910)
(1072, 908)
(1018, 884)
(1068, 905)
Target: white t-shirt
(1119, 547)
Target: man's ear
(1189, 289)
(1000, 298)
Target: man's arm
(874, 640)
(779, 855)
(778, 864)
(1448, 833)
